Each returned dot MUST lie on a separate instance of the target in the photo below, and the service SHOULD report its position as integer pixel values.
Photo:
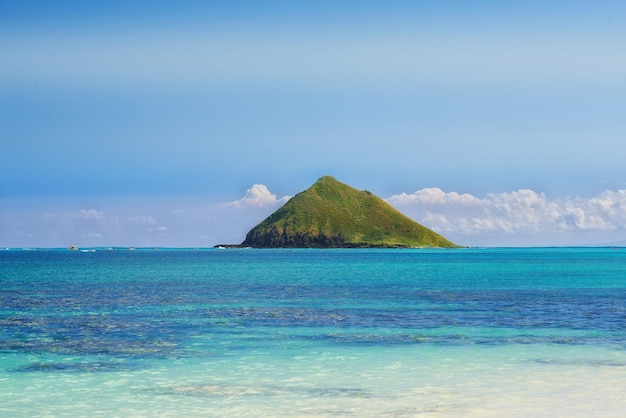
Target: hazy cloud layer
(522, 217)
(201, 57)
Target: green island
(331, 214)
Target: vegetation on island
(333, 214)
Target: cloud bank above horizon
(506, 216)
(518, 218)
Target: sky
(184, 124)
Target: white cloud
(434, 196)
(259, 196)
(521, 211)
(607, 211)
(92, 214)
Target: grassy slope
(332, 208)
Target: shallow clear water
(468, 332)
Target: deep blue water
(119, 312)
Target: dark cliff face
(276, 239)
(273, 238)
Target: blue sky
(184, 124)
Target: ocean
(488, 332)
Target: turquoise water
(468, 332)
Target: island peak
(331, 214)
